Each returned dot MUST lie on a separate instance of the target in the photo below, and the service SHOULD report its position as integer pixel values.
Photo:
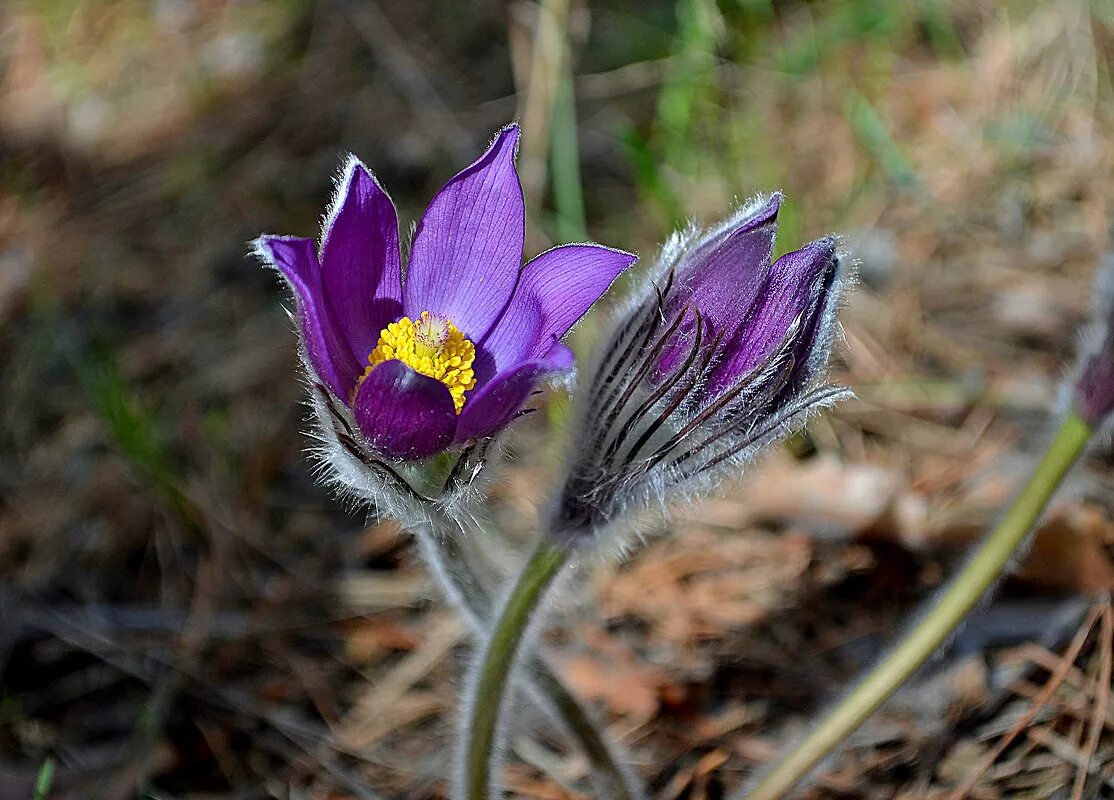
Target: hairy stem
(986, 564)
(443, 552)
(487, 690)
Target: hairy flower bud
(723, 353)
(1094, 381)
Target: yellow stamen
(432, 346)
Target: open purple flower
(448, 352)
(722, 354)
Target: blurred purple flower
(450, 354)
(724, 353)
(1093, 386)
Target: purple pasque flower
(723, 353)
(447, 351)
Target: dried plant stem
(459, 582)
(487, 690)
(548, 56)
(987, 563)
(612, 779)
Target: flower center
(432, 346)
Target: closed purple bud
(1094, 381)
(725, 352)
(1094, 391)
(406, 364)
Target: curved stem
(463, 586)
(613, 781)
(987, 563)
(488, 686)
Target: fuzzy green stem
(488, 692)
(449, 563)
(987, 563)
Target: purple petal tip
(766, 213)
(1094, 389)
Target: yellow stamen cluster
(432, 346)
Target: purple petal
(792, 294)
(490, 408)
(556, 289)
(403, 414)
(723, 276)
(467, 249)
(561, 357)
(812, 349)
(360, 264)
(296, 259)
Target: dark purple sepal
(403, 414)
(295, 258)
(724, 276)
(811, 350)
(491, 407)
(361, 269)
(785, 307)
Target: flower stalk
(443, 552)
(984, 568)
(489, 684)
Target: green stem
(45, 780)
(489, 687)
(460, 583)
(989, 560)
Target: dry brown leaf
(1072, 552)
(372, 637)
(626, 687)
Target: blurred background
(185, 614)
